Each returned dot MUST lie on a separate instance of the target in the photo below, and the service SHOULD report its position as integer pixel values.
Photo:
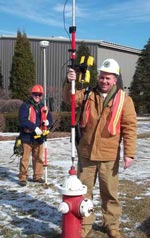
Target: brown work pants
(107, 173)
(36, 151)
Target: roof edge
(99, 42)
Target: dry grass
(135, 222)
(136, 208)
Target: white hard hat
(110, 66)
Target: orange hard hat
(37, 89)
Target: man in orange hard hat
(32, 117)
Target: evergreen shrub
(62, 121)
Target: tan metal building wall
(57, 61)
(125, 56)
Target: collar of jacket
(35, 105)
(110, 95)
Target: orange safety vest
(116, 112)
(32, 115)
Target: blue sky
(117, 21)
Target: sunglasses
(37, 94)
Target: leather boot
(113, 234)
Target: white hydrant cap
(86, 208)
(63, 208)
(72, 185)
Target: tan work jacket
(96, 142)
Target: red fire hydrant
(74, 206)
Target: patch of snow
(33, 210)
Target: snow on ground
(32, 211)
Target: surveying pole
(44, 45)
(72, 31)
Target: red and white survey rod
(72, 31)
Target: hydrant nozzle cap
(86, 207)
(64, 208)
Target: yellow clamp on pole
(45, 133)
(84, 77)
(18, 142)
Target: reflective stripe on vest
(44, 112)
(116, 112)
(32, 114)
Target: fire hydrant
(74, 206)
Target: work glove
(38, 131)
(71, 75)
(45, 123)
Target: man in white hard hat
(107, 117)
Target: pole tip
(72, 171)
